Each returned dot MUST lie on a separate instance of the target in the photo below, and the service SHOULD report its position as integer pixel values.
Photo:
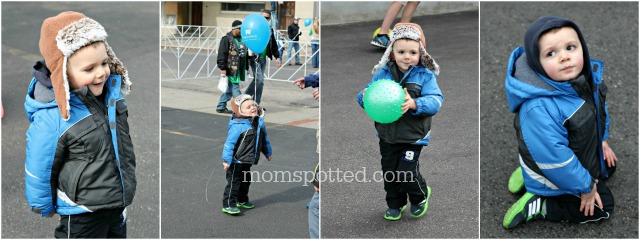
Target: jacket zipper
(395, 126)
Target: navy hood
(41, 73)
(40, 93)
(543, 25)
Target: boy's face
(561, 54)
(248, 108)
(406, 52)
(89, 67)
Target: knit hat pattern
(408, 31)
(63, 35)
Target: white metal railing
(190, 52)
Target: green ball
(383, 101)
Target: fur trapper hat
(60, 37)
(408, 31)
(237, 102)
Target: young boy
(561, 121)
(407, 62)
(79, 156)
(247, 137)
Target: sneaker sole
(516, 182)
(378, 45)
(244, 206)
(396, 218)
(426, 204)
(230, 212)
(516, 209)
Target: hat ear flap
(61, 89)
(427, 61)
(116, 67)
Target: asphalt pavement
(355, 209)
(611, 32)
(129, 26)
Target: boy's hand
(589, 200)
(269, 158)
(609, 155)
(316, 94)
(226, 166)
(299, 82)
(409, 103)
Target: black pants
(402, 178)
(566, 208)
(237, 189)
(610, 171)
(108, 223)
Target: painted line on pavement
(300, 122)
(187, 135)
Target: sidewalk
(286, 104)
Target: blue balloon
(307, 22)
(255, 32)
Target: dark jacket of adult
(272, 47)
(294, 32)
(229, 61)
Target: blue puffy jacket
(560, 127)
(245, 140)
(84, 164)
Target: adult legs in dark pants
(255, 87)
(567, 207)
(401, 174)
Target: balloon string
(258, 71)
(206, 188)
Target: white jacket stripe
(537, 177)
(555, 165)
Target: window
(244, 7)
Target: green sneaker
(516, 181)
(246, 205)
(394, 214)
(420, 209)
(231, 210)
(527, 208)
